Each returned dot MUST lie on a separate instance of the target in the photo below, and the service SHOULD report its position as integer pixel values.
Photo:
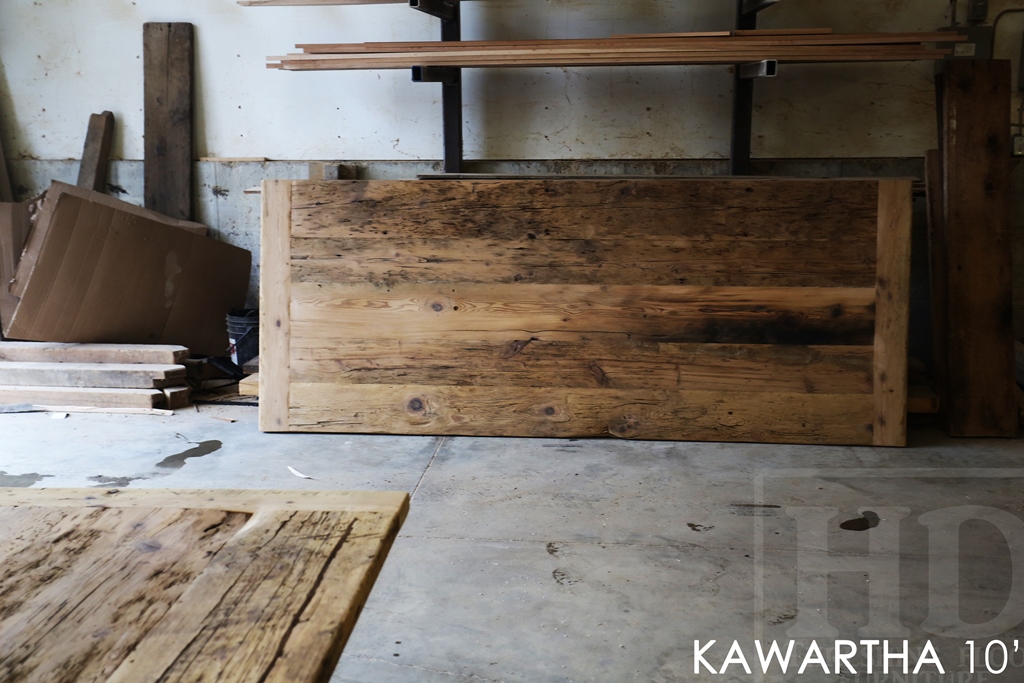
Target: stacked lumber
(818, 45)
(101, 376)
(721, 309)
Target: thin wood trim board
(372, 288)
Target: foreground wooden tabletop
(133, 586)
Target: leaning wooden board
(727, 309)
(137, 586)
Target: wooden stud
(168, 56)
(275, 303)
(92, 172)
(892, 306)
(92, 353)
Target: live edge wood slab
(163, 585)
(726, 309)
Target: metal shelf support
(450, 78)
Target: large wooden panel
(737, 309)
(140, 586)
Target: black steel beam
(435, 8)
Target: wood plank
(980, 394)
(275, 302)
(621, 261)
(81, 396)
(744, 315)
(92, 172)
(178, 585)
(312, 3)
(93, 353)
(176, 397)
(922, 400)
(249, 386)
(1019, 354)
(620, 365)
(838, 211)
(15, 224)
(892, 312)
(168, 56)
(560, 412)
(95, 375)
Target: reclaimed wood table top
(162, 585)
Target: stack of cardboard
(80, 266)
(94, 375)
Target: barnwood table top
(136, 586)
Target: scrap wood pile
(727, 47)
(109, 377)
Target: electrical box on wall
(978, 44)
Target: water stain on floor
(118, 482)
(21, 480)
(201, 448)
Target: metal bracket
(435, 8)
(766, 68)
(750, 7)
(449, 75)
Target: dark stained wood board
(176, 585)
(92, 173)
(719, 309)
(168, 58)
(971, 240)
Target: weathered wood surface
(176, 397)
(978, 367)
(92, 353)
(170, 586)
(168, 55)
(97, 375)
(92, 172)
(725, 309)
(81, 396)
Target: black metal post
(742, 101)
(451, 98)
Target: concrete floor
(542, 560)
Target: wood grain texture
(892, 312)
(98, 375)
(559, 412)
(830, 210)
(168, 57)
(533, 362)
(979, 399)
(92, 353)
(81, 396)
(760, 315)
(275, 304)
(937, 264)
(623, 261)
(172, 585)
(734, 309)
(92, 172)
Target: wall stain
(119, 482)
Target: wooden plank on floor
(81, 396)
(559, 412)
(93, 353)
(892, 312)
(275, 304)
(979, 398)
(94, 375)
(168, 56)
(249, 386)
(176, 397)
(173, 584)
(92, 172)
